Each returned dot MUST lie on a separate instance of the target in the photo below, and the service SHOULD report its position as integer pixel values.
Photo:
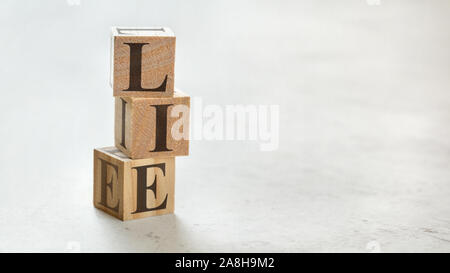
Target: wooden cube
(130, 189)
(142, 62)
(152, 127)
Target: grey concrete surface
(364, 154)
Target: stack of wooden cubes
(136, 178)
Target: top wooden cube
(142, 62)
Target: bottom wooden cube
(133, 188)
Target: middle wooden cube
(152, 127)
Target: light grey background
(363, 162)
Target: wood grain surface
(157, 62)
(117, 190)
(137, 134)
